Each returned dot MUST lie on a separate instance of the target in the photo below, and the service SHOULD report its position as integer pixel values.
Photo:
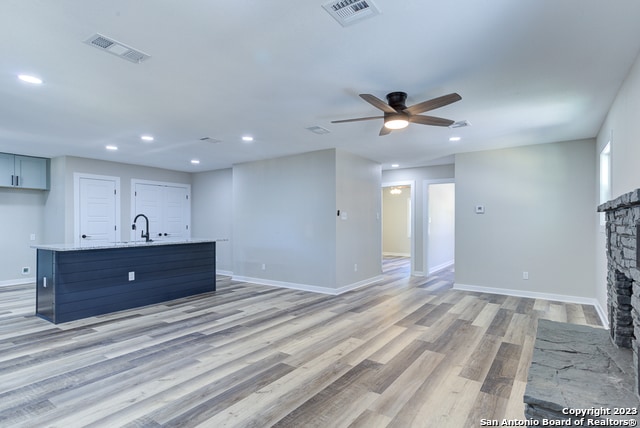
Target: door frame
(412, 197)
(77, 176)
(425, 217)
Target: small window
(605, 177)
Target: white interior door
(168, 210)
(97, 211)
(148, 199)
(175, 224)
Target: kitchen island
(78, 282)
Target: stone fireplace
(623, 276)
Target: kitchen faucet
(142, 234)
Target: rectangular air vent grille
(210, 140)
(460, 124)
(347, 12)
(318, 130)
(113, 47)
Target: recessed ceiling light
(195, 161)
(146, 138)
(110, 147)
(247, 138)
(394, 165)
(454, 139)
(30, 79)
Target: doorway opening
(398, 222)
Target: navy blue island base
(73, 284)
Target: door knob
(84, 236)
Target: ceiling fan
(397, 115)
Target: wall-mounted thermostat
(479, 209)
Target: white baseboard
(386, 253)
(441, 266)
(535, 295)
(29, 280)
(307, 287)
(224, 272)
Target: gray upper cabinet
(24, 172)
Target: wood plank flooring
(404, 352)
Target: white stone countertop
(124, 244)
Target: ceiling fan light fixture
(396, 123)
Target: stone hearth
(577, 367)
(623, 276)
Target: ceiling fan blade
(357, 119)
(384, 131)
(378, 103)
(430, 120)
(433, 103)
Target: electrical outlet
(264, 266)
(32, 237)
(132, 276)
(525, 275)
(355, 267)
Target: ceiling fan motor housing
(397, 100)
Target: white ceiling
(528, 71)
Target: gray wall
(63, 169)
(21, 214)
(540, 210)
(359, 236)
(285, 227)
(50, 214)
(441, 226)
(284, 218)
(211, 212)
(621, 122)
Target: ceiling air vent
(210, 140)
(460, 124)
(347, 12)
(116, 48)
(320, 130)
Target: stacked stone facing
(623, 277)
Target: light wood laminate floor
(404, 352)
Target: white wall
(622, 123)
(418, 176)
(211, 212)
(21, 214)
(540, 206)
(441, 226)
